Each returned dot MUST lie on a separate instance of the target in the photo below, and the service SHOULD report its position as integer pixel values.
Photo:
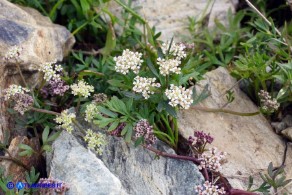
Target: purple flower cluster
(60, 187)
(200, 138)
(22, 102)
(55, 87)
(143, 128)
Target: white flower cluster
(13, 90)
(169, 66)
(179, 96)
(13, 53)
(50, 70)
(128, 61)
(209, 188)
(177, 50)
(90, 111)
(82, 88)
(65, 120)
(95, 141)
(144, 85)
(212, 160)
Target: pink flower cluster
(209, 188)
(212, 160)
(55, 87)
(143, 128)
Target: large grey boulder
(122, 169)
(85, 174)
(171, 16)
(41, 40)
(250, 142)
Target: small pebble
(287, 133)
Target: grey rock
(171, 17)
(288, 120)
(41, 40)
(250, 142)
(287, 133)
(279, 126)
(81, 169)
(141, 173)
(122, 169)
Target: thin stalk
(225, 111)
(45, 111)
(16, 161)
(131, 11)
(174, 156)
(169, 130)
(21, 75)
(84, 24)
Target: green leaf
(107, 112)
(89, 73)
(45, 134)
(139, 141)
(132, 95)
(25, 153)
(250, 183)
(25, 147)
(151, 67)
(117, 83)
(129, 134)
(105, 121)
(163, 105)
(185, 78)
(110, 43)
(47, 148)
(114, 125)
(204, 94)
(125, 130)
(54, 136)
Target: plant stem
(16, 161)
(21, 75)
(131, 11)
(225, 111)
(45, 111)
(174, 156)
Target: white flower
(12, 90)
(209, 188)
(176, 50)
(95, 141)
(65, 120)
(82, 89)
(128, 61)
(50, 70)
(179, 96)
(145, 86)
(13, 53)
(212, 160)
(168, 66)
(90, 112)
